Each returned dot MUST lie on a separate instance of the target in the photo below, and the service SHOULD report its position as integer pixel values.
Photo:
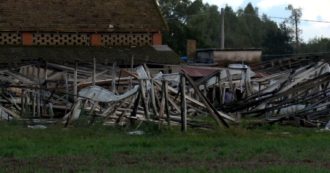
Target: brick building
(64, 30)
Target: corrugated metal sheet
(199, 72)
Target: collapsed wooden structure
(124, 96)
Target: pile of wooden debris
(125, 96)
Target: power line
(305, 20)
(260, 16)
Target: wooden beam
(94, 72)
(216, 115)
(113, 85)
(75, 82)
(183, 104)
(144, 99)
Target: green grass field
(106, 149)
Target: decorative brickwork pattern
(60, 39)
(126, 39)
(10, 38)
(78, 39)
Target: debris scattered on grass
(136, 133)
(37, 127)
(120, 97)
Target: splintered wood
(199, 97)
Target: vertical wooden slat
(220, 89)
(22, 103)
(167, 109)
(136, 105)
(162, 102)
(45, 86)
(113, 85)
(66, 91)
(153, 98)
(144, 100)
(75, 82)
(39, 93)
(205, 90)
(183, 104)
(208, 105)
(34, 95)
(94, 72)
(132, 66)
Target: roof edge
(161, 15)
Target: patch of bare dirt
(48, 164)
(212, 164)
(125, 160)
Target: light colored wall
(237, 56)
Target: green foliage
(206, 32)
(321, 45)
(106, 149)
(277, 40)
(243, 29)
(295, 16)
(294, 20)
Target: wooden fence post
(113, 85)
(144, 100)
(167, 110)
(183, 104)
(75, 80)
(94, 72)
(208, 105)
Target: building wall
(80, 39)
(238, 56)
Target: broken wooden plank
(183, 104)
(216, 115)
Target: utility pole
(222, 28)
(294, 20)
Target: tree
(205, 26)
(244, 28)
(252, 26)
(317, 45)
(277, 40)
(294, 20)
(175, 13)
(232, 29)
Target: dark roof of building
(69, 54)
(81, 16)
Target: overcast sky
(312, 10)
